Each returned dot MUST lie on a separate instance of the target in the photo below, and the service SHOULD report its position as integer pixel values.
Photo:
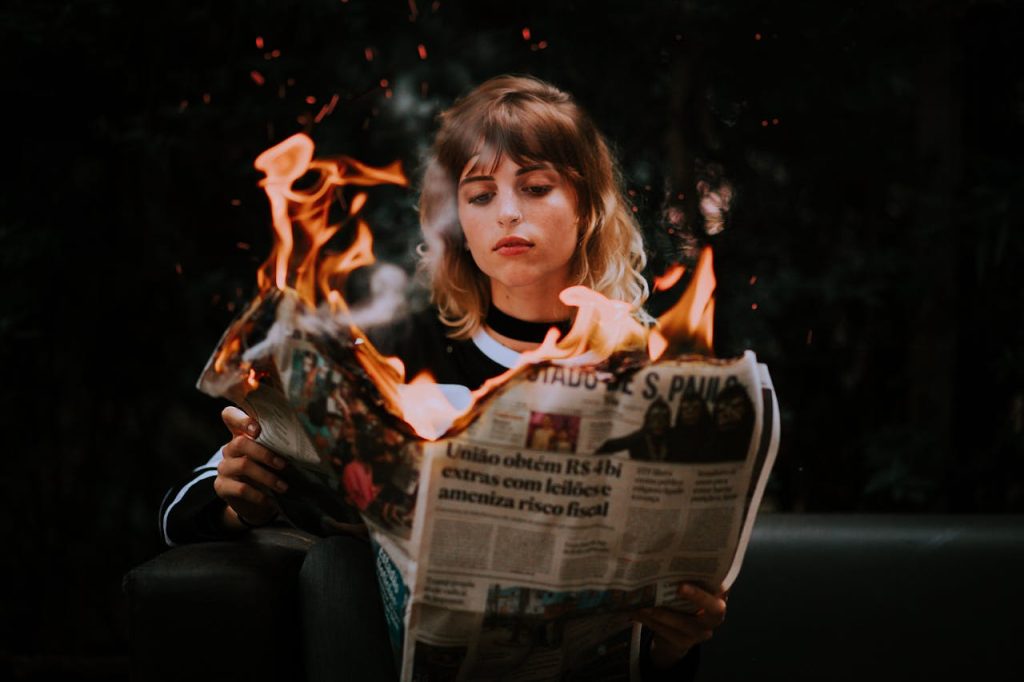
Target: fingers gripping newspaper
(517, 546)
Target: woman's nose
(509, 213)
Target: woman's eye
(480, 199)
(537, 190)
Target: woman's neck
(530, 304)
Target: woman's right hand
(246, 468)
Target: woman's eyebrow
(530, 169)
(521, 171)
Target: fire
(303, 213)
(670, 277)
(226, 352)
(427, 408)
(691, 319)
(602, 326)
(300, 268)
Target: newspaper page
(517, 546)
(573, 500)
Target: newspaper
(518, 544)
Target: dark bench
(820, 597)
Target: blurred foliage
(871, 252)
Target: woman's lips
(512, 246)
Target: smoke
(387, 298)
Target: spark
(753, 280)
(757, 36)
(327, 109)
(383, 82)
(177, 268)
(368, 53)
(422, 50)
(206, 98)
(243, 246)
(259, 42)
(753, 306)
(236, 202)
(257, 77)
(526, 33)
(310, 99)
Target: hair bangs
(524, 131)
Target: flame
(303, 213)
(226, 352)
(691, 319)
(657, 344)
(426, 408)
(602, 326)
(669, 278)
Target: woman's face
(520, 225)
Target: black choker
(521, 330)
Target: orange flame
(691, 319)
(226, 352)
(303, 213)
(669, 278)
(602, 326)
(426, 408)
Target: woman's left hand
(675, 631)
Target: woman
(521, 198)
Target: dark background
(871, 255)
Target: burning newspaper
(518, 526)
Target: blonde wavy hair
(528, 121)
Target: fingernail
(279, 463)
(281, 485)
(252, 429)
